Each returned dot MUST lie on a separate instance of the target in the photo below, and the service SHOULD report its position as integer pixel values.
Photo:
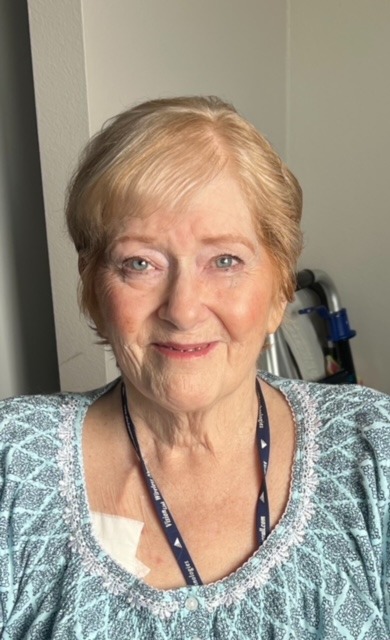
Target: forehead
(216, 209)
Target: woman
(191, 498)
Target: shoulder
(352, 411)
(348, 423)
(354, 418)
(26, 416)
(29, 426)
(364, 407)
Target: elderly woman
(193, 497)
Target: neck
(218, 428)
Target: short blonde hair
(160, 153)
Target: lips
(183, 348)
(177, 350)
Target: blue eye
(137, 264)
(226, 262)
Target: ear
(93, 312)
(96, 315)
(82, 263)
(276, 314)
(98, 325)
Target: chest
(213, 498)
(216, 520)
(216, 513)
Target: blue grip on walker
(338, 322)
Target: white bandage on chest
(120, 537)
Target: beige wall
(338, 144)
(138, 50)
(94, 58)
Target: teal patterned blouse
(322, 573)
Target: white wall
(27, 345)
(338, 145)
(57, 44)
(95, 58)
(312, 75)
(138, 50)
(11, 371)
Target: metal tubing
(329, 289)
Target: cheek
(247, 311)
(122, 320)
(119, 312)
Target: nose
(184, 305)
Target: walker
(313, 343)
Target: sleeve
(8, 493)
(374, 422)
(28, 445)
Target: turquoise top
(322, 573)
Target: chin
(188, 395)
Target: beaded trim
(73, 520)
(156, 601)
(298, 529)
(72, 514)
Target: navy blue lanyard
(168, 524)
(263, 525)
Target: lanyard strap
(168, 524)
(263, 445)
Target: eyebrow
(209, 240)
(230, 237)
(137, 238)
(226, 237)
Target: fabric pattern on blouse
(322, 573)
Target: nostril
(183, 307)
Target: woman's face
(186, 299)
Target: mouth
(176, 350)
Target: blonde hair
(161, 152)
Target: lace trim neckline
(254, 573)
